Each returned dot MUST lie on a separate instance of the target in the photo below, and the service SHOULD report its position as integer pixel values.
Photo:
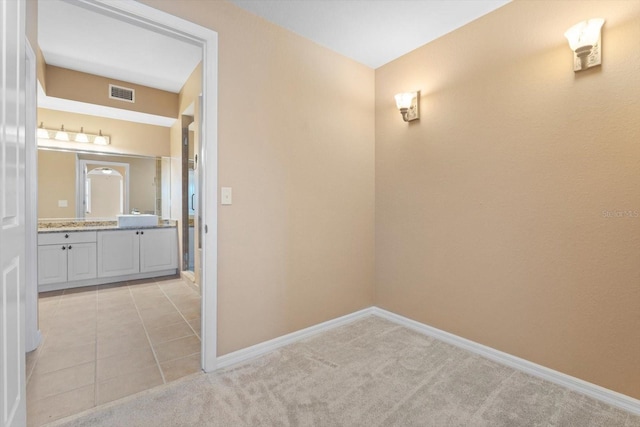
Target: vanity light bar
(78, 137)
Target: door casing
(174, 26)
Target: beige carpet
(368, 373)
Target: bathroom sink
(137, 220)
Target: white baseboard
(595, 391)
(106, 280)
(267, 346)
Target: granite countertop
(67, 226)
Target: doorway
(158, 21)
(103, 189)
(191, 232)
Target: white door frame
(33, 337)
(149, 17)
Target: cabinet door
(82, 262)
(118, 253)
(52, 264)
(158, 249)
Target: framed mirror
(89, 185)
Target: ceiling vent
(122, 93)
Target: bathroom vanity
(79, 254)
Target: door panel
(52, 264)
(118, 252)
(82, 261)
(10, 324)
(12, 213)
(158, 250)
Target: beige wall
(491, 211)
(92, 89)
(296, 135)
(126, 137)
(56, 181)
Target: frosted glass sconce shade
(101, 140)
(42, 132)
(81, 137)
(61, 135)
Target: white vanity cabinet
(66, 257)
(125, 252)
(84, 258)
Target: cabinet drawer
(69, 237)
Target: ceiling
(372, 32)
(75, 37)
(72, 35)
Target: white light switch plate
(63, 204)
(225, 196)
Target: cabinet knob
(137, 232)
(63, 248)
(69, 247)
(66, 236)
(142, 232)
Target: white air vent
(122, 93)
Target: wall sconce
(68, 136)
(407, 103)
(584, 40)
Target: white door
(12, 213)
(118, 253)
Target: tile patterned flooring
(101, 343)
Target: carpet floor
(369, 373)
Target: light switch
(225, 195)
(63, 204)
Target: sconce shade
(82, 137)
(403, 100)
(100, 140)
(584, 34)
(61, 135)
(42, 132)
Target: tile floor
(101, 343)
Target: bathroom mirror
(85, 185)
